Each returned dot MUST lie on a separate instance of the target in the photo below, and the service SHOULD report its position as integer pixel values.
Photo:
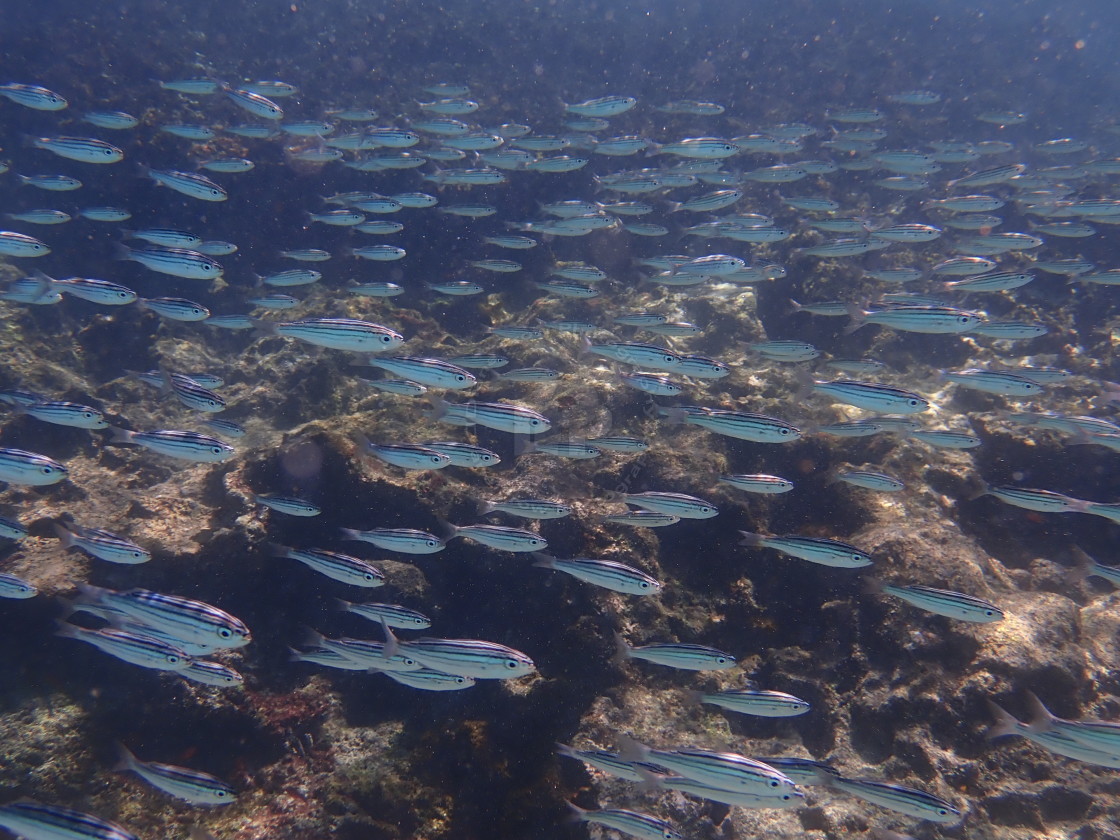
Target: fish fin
(1006, 724)
(631, 749)
(566, 750)
(198, 833)
(872, 586)
(350, 534)
(277, 550)
(486, 507)
(365, 447)
(445, 529)
(672, 415)
(651, 782)
(68, 631)
(267, 327)
(391, 643)
(342, 604)
(90, 594)
(858, 316)
(1042, 719)
(694, 697)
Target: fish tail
(977, 488)
(576, 814)
(1006, 723)
(120, 435)
(694, 697)
(485, 507)
(672, 415)
(545, 561)
(751, 540)
(68, 631)
(342, 604)
(1082, 570)
(122, 251)
(872, 586)
(125, 759)
(565, 750)
(365, 447)
(439, 407)
(858, 316)
(621, 650)
(267, 327)
(631, 749)
(446, 529)
(277, 550)
(63, 535)
(312, 638)
(90, 594)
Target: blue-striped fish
(101, 544)
(904, 800)
(528, 508)
(752, 701)
(642, 519)
(941, 601)
(426, 679)
(869, 480)
(818, 550)
(503, 417)
(191, 786)
(677, 504)
(190, 184)
(408, 456)
(176, 309)
(758, 483)
(289, 505)
(686, 657)
(82, 149)
(392, 614)
(609, 574)
(34, 821)
(634, 823)
(189, 446)
(18, 466)
(133, 648)
(872, 396)
(499, 537)
(465, 454)
(15, 587)
(336, 333)
(463, 657)
(726, 771)
(743, 425)
(404, 540)
(212, 673)
(178, 262)
(332, 564)
(186, 619)
(63, 413)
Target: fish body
(873, 396)
(943, 602)
(403, 540)
(501, 537)
(332, 564)
(685, 657)
(337, 333)
(178, 262)
(763, 484)
(190, 184)
(188, 446)
(132, 648)
(81, 149)
(503, 417)
(904, 800)
(750, 701)
(102, 544)
(608, 574)
(676, 504)
(288, 504)
(633, 823)
(18, 466)
(34, 821)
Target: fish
(940, 601)
(129, 647)
(184, 618)
(676, 504)
(404, 540)
(191, 786)
(604, 106)
(101, 544)
(81, 149)
(176, 309)
(332, 564)
(528, 508)
(336, 333)
(288, 504)
(750, 701)
(499, 537)
(188, 446)
(35, 821)
(872, 396)
(685, 657)
(825, 552)
(18, 466)
(16, 588)
(472, 658)
(393, 615)
(633, 823)
(504, 417)
(608, 574)
(758, 483)
(13, 244)
(178, 262)
(904, 800)
(63, 413)
(722, 770)
(869, 480)
(190, 184)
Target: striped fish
(872, 396)
(576, 450)
(750, 701)
(619, 443)
(337, 333)
(610, 763)
(189, 446)
(941, 601)
(999, 382)
(191, 394)
(609, 574)
(642, 519)
(133, 648)
(33, 96)
(191, 786)
(14, 244)
(463, 657)
(176, 309)
(426, 679)
(18, 466)
(212, 673)
(742, 425)
(1042, 501)
(34, 821)
(465, 454)
(340, 567)
(16, 588)
(102, 544)
(676, 504)
(177, 262)
(289, 505)
(904, 800)
(931, 320)
(191, 621)
(686, 657)
(503, 417)
(404, 540)
(634, 823)
(408, 456)
(190, 184)
(838, 555)
(758, 483)
(368, 654)
(435, 373)
(726, 771)
(500, 537)
(870, 480)
(392, 614)
(63, 413)
(82, 149)
(787, 798)
(529, 508)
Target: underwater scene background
(545, 420)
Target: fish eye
(783, 431)
(368, 576)
(225, 632)
(534, 423)
(913, 402)
(47, 470)
(460, 378)
(644, 585)
(219, 793)
(857, 557)
(172, 659)
(217, 450)
(511, 663)
(108, 151)
(964, 319)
